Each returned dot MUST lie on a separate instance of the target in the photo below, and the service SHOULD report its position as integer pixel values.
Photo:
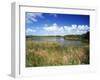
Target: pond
(61, 41)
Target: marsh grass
(51, 54)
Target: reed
(50, 53)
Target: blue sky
(43, 24)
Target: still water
(61, 41)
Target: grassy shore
(51, 54)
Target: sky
(46, 24)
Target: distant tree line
(84, 37)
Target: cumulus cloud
(51, 28)
(83, 27)
(32, 17)
(54, 28)
(66, 30)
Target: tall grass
(51, 54)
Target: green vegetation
(72, 37)
(83, 37)
(51, 54)
(43, 36)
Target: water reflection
(61, 41)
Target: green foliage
(30, 36)
(83, 37)
(72, 37)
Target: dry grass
(51, 54)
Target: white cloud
(54, 29)
(83, 27)
(65, 30)
(30, 31)
(51, 28)
(33, 17)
